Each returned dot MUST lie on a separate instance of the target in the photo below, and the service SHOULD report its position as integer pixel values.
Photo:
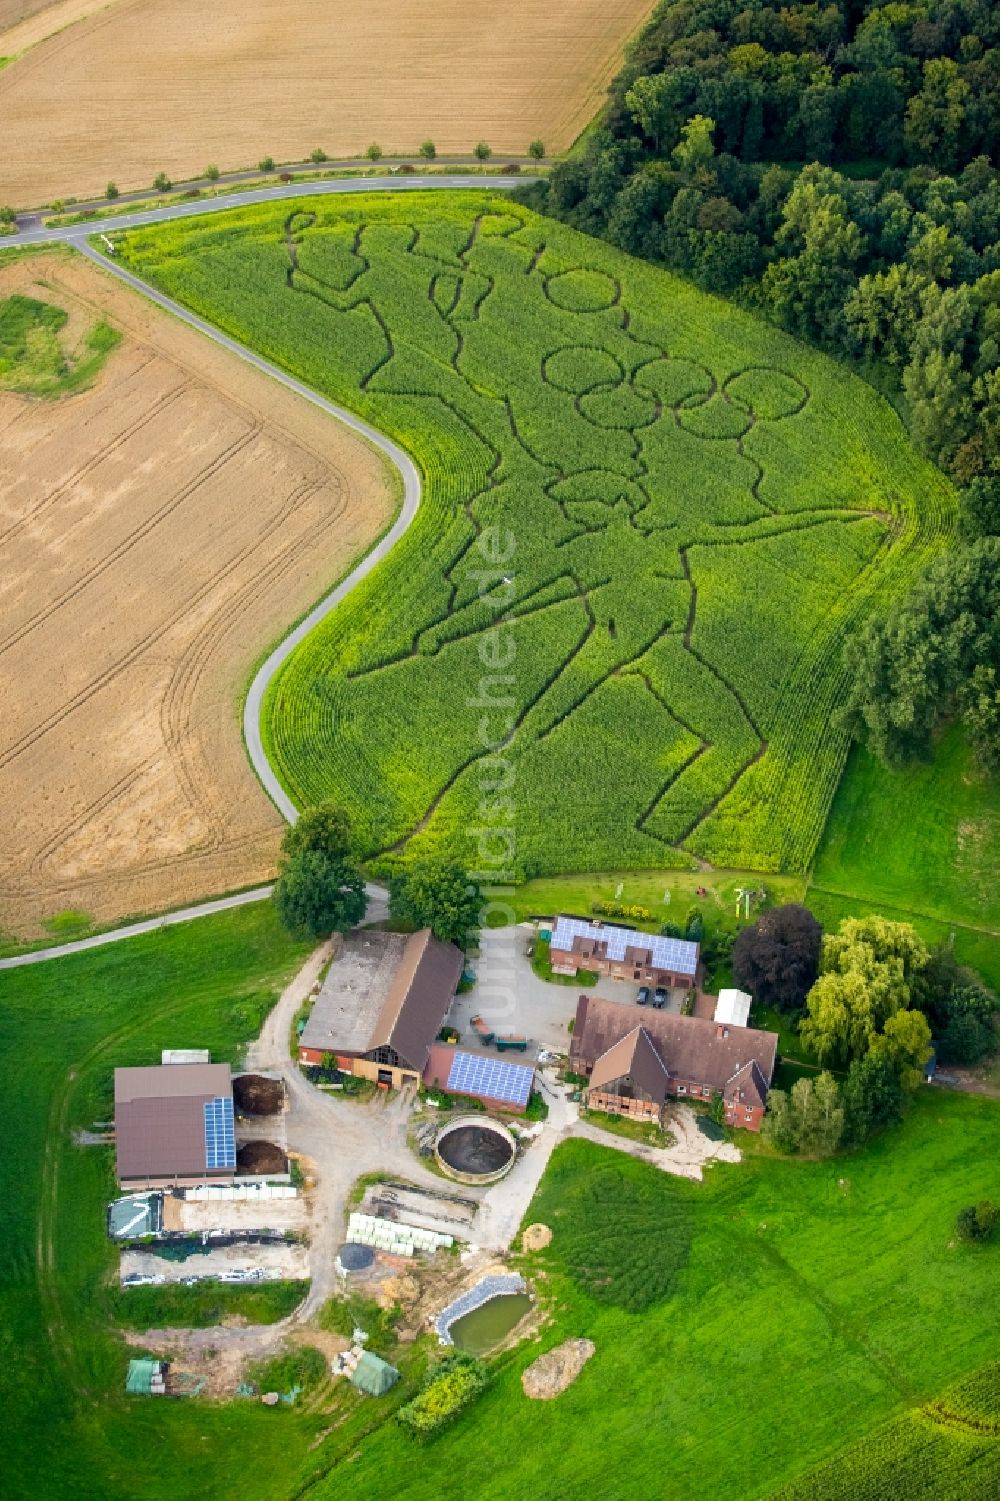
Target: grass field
(230, 83)
(693, 511)
(201, 508)
(924, 841)
(69, 1431)
(802, 1305)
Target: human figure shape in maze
(611, 454)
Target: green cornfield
(947, 1450)
(649, 521)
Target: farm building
(733, 1008)
(623, 953)
(382, 1005)
(499, 1084)
(174, 1125)
(633, 1067)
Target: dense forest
(834, 166)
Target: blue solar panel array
(220, 1134)
(489, 1078)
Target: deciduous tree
(438, 894)
(777, 958)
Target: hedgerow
(449, 1386)
(700, 510)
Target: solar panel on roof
(220, 1133)
(678, 954)
(490, 1078)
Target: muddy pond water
(478, 1332)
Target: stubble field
(159, 529)
(220, 83)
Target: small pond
(481, 1330)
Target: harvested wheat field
(171, 85)
(25, 23)
(159, 530)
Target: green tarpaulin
(373, 1375)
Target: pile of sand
(535, 1238)
(551, 1374)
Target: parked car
(660, 998)
(644, 997)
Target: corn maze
(649, 521)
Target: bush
(978, 1222)
(483, 151)
(111, 191)
(449, 1386)
(622, 909)
(536, 150)
(374, 152)
(319, 155)
(266, 164)
(162, 183)
(428, 150)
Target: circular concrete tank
(474, 1149)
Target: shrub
(212, 172)
(319, 155)
(162, 183)
(111, 191)
(978, 1222)
(344, 1315)
(286, 177)
(304, 1366)
(622, 909)
(449, 1386)
(536, 150)
(374, 152)
(428, 150)
(266, 164)
(483, 151)
(511, 169)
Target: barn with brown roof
(382, 1005)
(634, 1066)
(174, 1125)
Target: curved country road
(78, 237)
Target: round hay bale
(535, 1238)
(552, 1373)
(261, 1157)
(255, 1094)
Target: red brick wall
(736, 1115)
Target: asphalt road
(74, 234)
(78, 237)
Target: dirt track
(234, 81)
(160, 530)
